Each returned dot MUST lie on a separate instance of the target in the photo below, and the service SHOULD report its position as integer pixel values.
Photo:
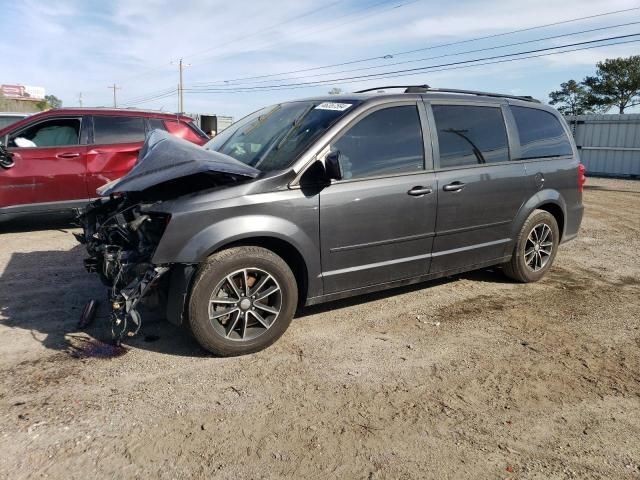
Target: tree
(50, 101)
(616, 83)
(571, 99)
(335, 91)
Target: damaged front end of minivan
(122, 229)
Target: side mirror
(6, 158)
(332, 165)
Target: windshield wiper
(261, 119)
(296, 124)
(276, 146)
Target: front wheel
(242, 300)
(536, 248)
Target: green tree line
(615, 84)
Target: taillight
(582, 177)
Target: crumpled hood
(164, 157)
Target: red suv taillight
(582, 177)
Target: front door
(479, 190)
(50, 165)
(377, 224)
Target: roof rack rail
(427, 88)
(408, 88)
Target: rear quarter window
(541, 134)
(119, 129)
(183, 130)
(156, 124)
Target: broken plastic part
(88, 314)
(125, 319)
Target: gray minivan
(319, 199)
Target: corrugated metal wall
(608, 144)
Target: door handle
(68, 155)
(420, 191)
(453, 187)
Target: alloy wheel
(245, 304)
(539, 246)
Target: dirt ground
(468, 377)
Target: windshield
(272, 138)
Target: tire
(251, 324)
(533, 265)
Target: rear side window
(470, 135)
(118, 129)
(541, 134)
(156, 124)
(385, 142)
(182, 130)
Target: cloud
(72, 46)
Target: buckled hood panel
(164, 158)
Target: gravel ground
(468, 377)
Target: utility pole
(114, 87)
(181, 67)
(181, 106)
(80, 99)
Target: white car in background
(7, 118)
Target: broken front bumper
(125, 318)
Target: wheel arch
(548, 200)
(557, 212)
(285, 250)
(180, 282)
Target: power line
(334, 80)
(392, 74)
(496, 47)
(267, 29)
(473, 65)
(149, 94)
(510, 59)
(407, 52)
(433, 69)
(153, 98)
(271, 27)
(333, 24)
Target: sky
(83, 46)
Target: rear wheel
(536, 248)
(242, 300)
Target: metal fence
(609, 145)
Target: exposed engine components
(121, 239)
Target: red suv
(61, 156)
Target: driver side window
(51, 133)
(386, 142)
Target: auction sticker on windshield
(340, 107)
